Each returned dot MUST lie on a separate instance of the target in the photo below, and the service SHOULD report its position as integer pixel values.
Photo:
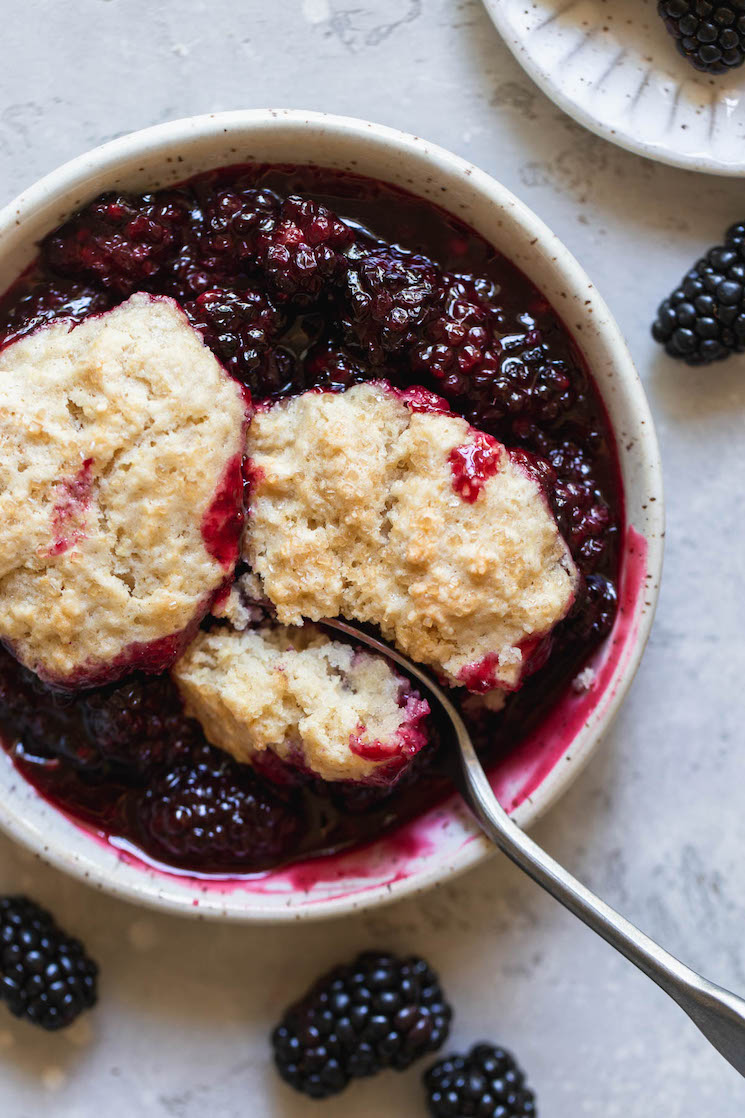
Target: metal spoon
(719, 1014)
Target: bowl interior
(445, 840)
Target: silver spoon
(719, 1014)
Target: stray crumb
(584, 681)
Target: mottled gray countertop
(656, 823)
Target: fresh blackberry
(486, 1083)
(392, 295)
(139, 724)
(45, 976)
(335, 368)
(703, 320)
(304, 253)
(50, 302)
(240, 328)
(379, 1012)
(711, 36)
(210, 812)
(119, 240)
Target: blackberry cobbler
(232, 408)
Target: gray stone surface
(655, 823)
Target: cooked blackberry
(139, 724)
(486, 1083)
(240, 328)
(303, 255)
(50, 302)
(391, 296)
(119, 240)
(711, 36)
(462, 340)
(595, 611)
(379, 1012)
(45, 975)
(703, 320)
(209, 811)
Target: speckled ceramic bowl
(445, 841)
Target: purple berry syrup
(290, 297)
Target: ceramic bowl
(445, 841)
(616, 70)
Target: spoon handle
(718, 1014)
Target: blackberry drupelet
(379, 1012)
(50, 302)
(120, 240)
(45, 975)
(710, 35)
(391, 296)
(703, 320)
(486, 1083)
(210, 812)
(303, 255)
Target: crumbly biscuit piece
(314, 702)
(387, 508)
(120, 490)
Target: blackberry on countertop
(45, 975)
(703, 320)
(378, 1012)
(486, 1083)
(710, 35)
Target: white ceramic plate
(445, 840)
(612, 65)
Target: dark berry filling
(297, 279)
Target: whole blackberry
(379, 1012)
(304, 253)
(234, 219)
(119, 240)
(45, 976)
(139, 724)
(391, 296)
(50, 302)
(461, 340)
(213, 813)
(240, 328)
(703, 320)
(711, 36)
(486, 1083)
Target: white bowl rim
(101, 872)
